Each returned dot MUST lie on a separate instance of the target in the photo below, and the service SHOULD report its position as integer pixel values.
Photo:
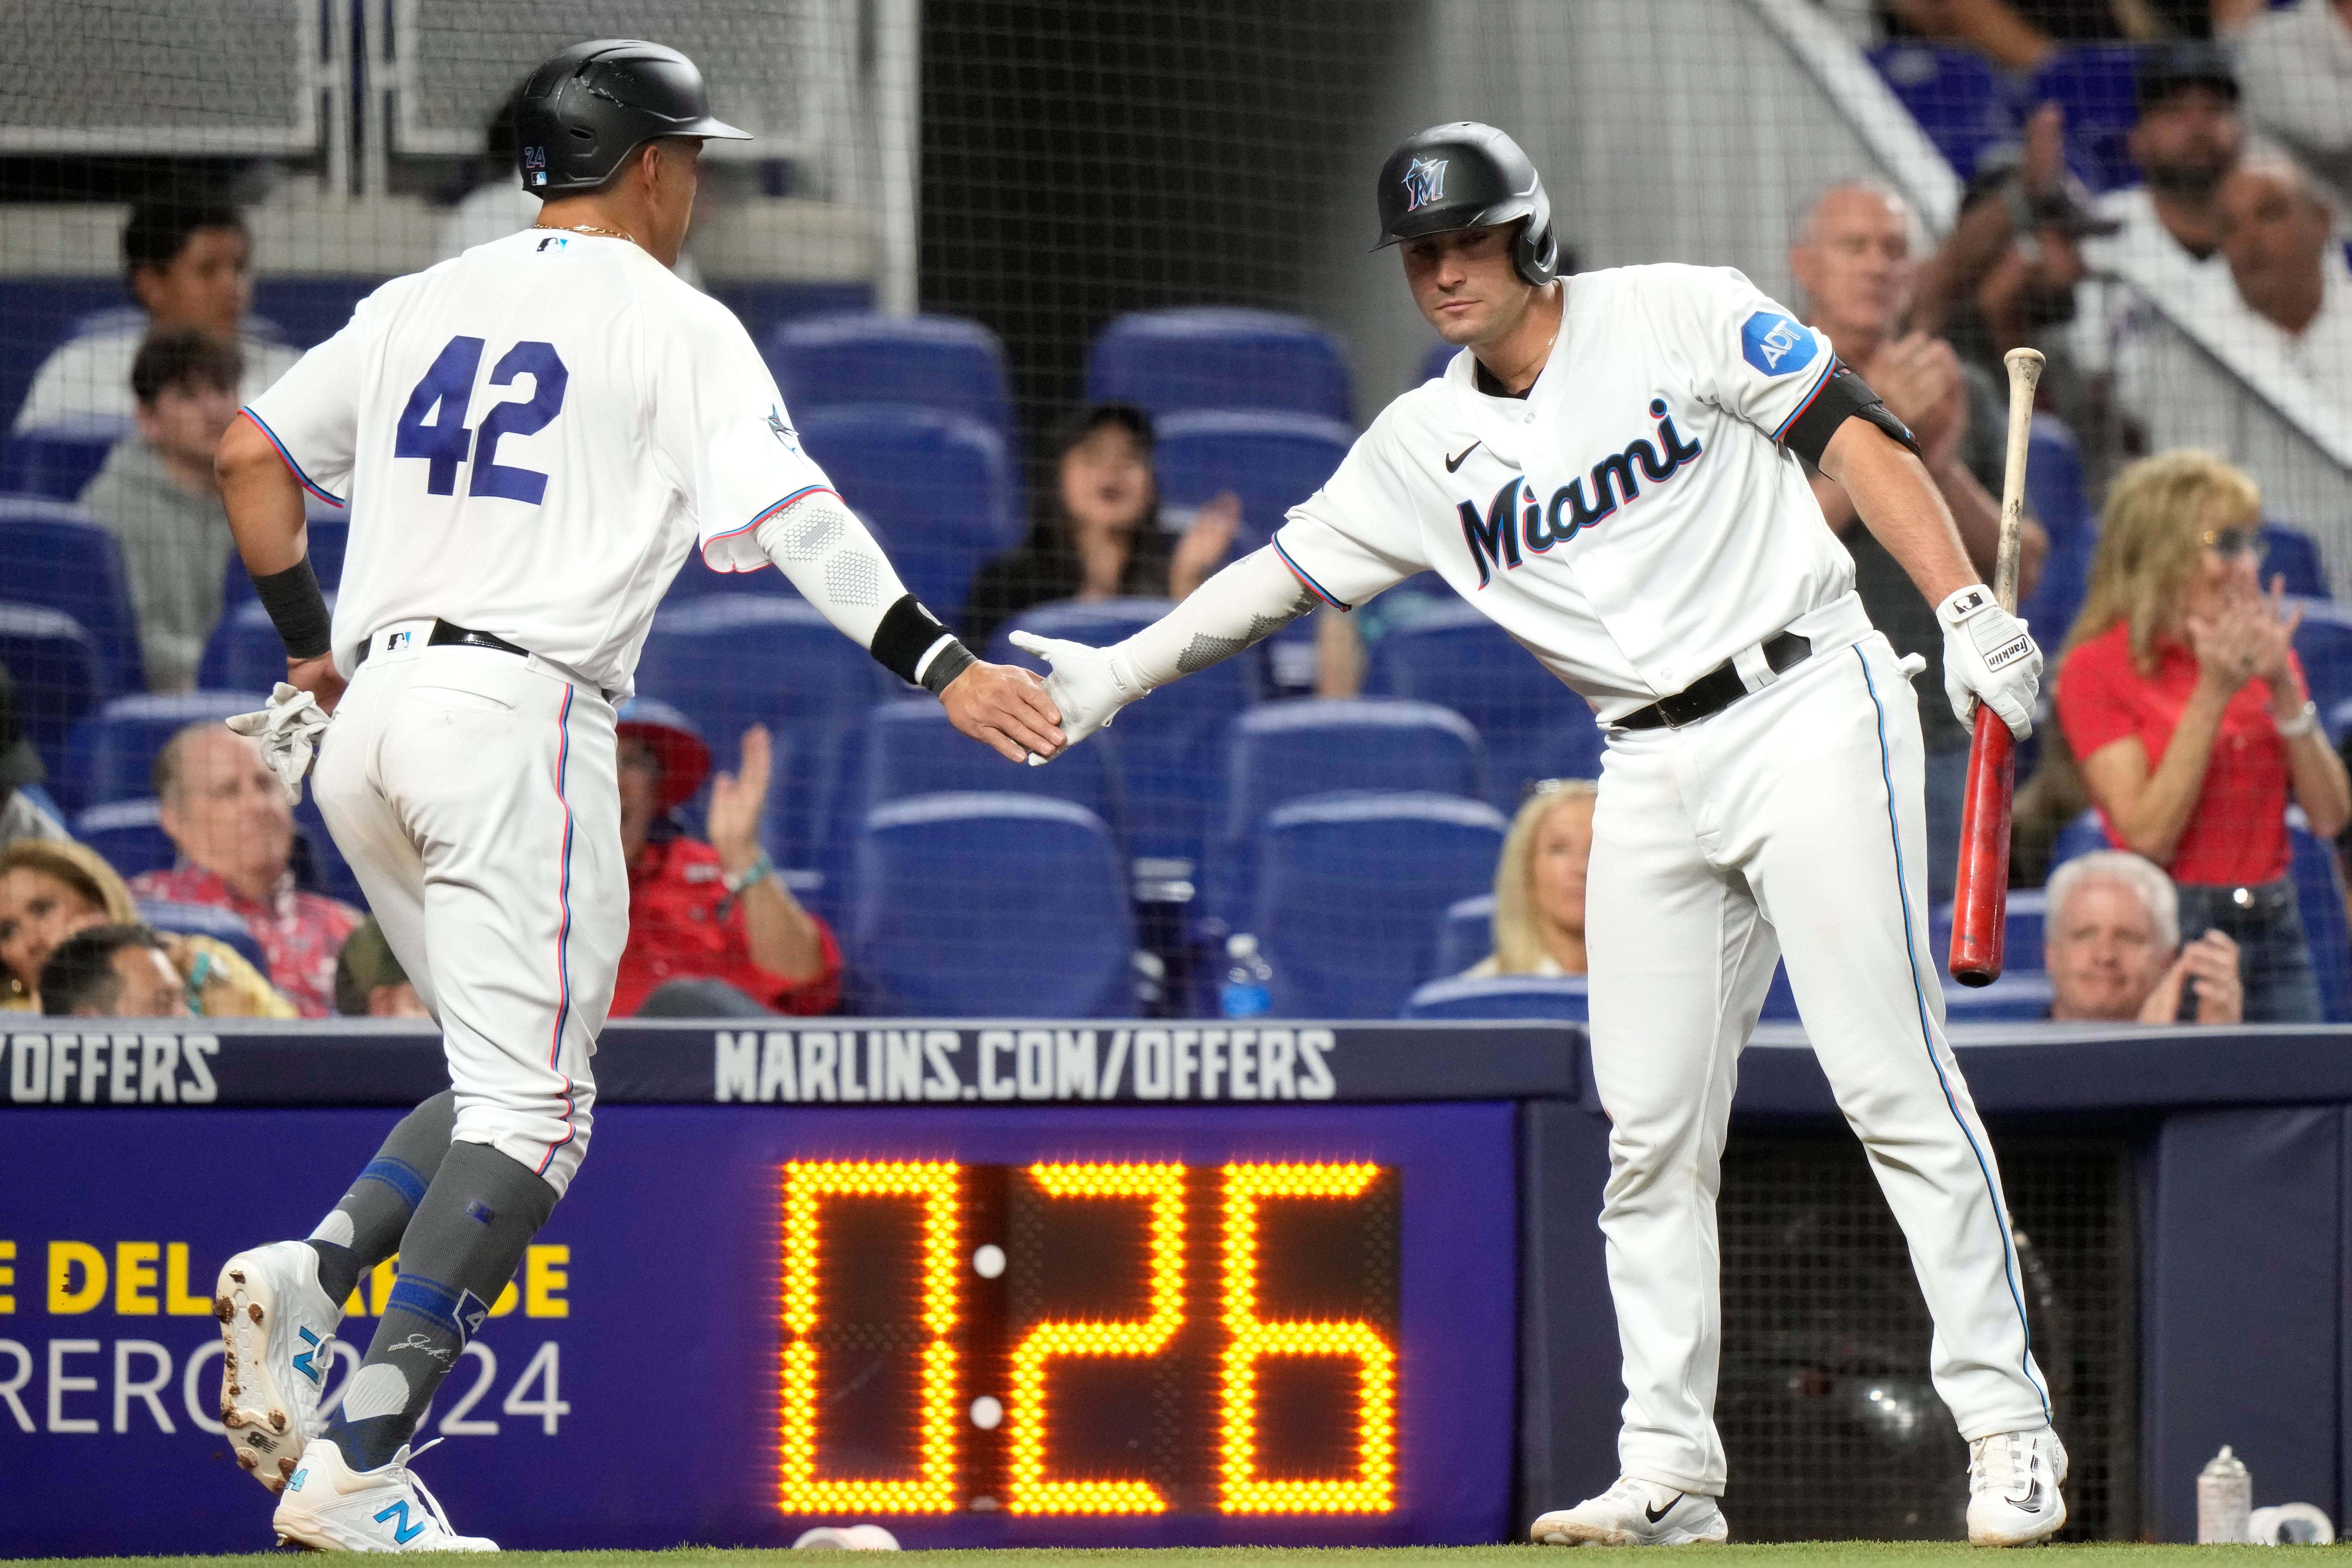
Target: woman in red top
(2181, 696)
(713, 931)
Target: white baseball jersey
(1633, 522)
(531, 436)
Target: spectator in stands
(713, 931)
(22, 815)
(369, 980)
(2185, 705)
(1853, 257)
(1102, 538)
(2111, 942)
(158, 496)
(2297, 65)
(2292, 287)
(2022, 34)
(189, 263)
(1539, 883)
(113, 972)
(227, 814)
(49, 892)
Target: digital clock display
(1105, 1336)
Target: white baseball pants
(476, 794)
(1791, 824)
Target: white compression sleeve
(1246, 602)
(820, 544)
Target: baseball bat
(1980, 903)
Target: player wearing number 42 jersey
(1611, 474)
(534, 434)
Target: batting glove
(1988, 658)
(1088, 685)
(288, 732)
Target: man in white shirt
(189, 263)
(2292, 285)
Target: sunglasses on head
(2229, 543)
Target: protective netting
(1170, 206)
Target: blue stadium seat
(318, 863)
(2021, 943)
(2289, 553)
(2055, 487)
(1350, 888)
(2058, 597)
(2319, 895)
(2094, 83)
(936, 486)
(57, 673)
(111, 755)
(1466, 933)
(1960, 101)
(2324, 643)
(2078, 838)
(1042, 926)
(1271, 462)
(730, 661)
(245, 652)
(1283, 751)
(1441, 355)
(329, 538)
(1534, 727)
(1559, 998)
(908, 748)
(1212, 357)
(205, 919)
(57, 460)
(130, 834)
(929, 361)
(59, 557)
(2014, 998)
(1779, 999)
(1171, 751)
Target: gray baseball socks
(364, 1228)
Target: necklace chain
(591, 228)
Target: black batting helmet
(1468, 176)
(583, 112)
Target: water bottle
(2225, 1499)
(1247, 992)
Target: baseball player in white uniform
(1611, 474)
(538, 431)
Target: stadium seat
(908, 748)
(2014, 998)
(2079, 838)
(1041, 925)
(2289, 553)
(318, 864)
(1271, 462)
(59, 557)
(1350, 888)
(1534, 727)
(58, 460)
(2094, 84)
(1174, 360)
(2319, 895)
(730, 661)
(130, 834)
(329, 539)
(57, 674)
(2058, 597)
(936, 486)
(2021, 943)
(1561, 997)
(1171, 750)
(2055, 487)
(1283, 751)
(1466, 935)
(205, 919)
(1959, 99)
(929, 362)
(245, 652)
(2324, 643)
(111, 755)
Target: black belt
(446, 634)
(1718, 690)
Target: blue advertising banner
(1151, 1324)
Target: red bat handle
(1980, 908)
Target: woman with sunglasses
(2182, 695)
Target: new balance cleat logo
(402, 1532)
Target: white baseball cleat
(1634, 1513)
(2013, 1482)
(276, 1328)
(329, 1507)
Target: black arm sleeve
(298, 609)
(908, 632)
(1844, 396)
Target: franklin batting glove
(1089, 685)
(1988, 658)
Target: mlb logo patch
(534, 165)
(395, 641)
(1775, 344)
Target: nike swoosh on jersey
(1656, 1514)
(1453, 463)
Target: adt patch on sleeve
(1775, 344)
